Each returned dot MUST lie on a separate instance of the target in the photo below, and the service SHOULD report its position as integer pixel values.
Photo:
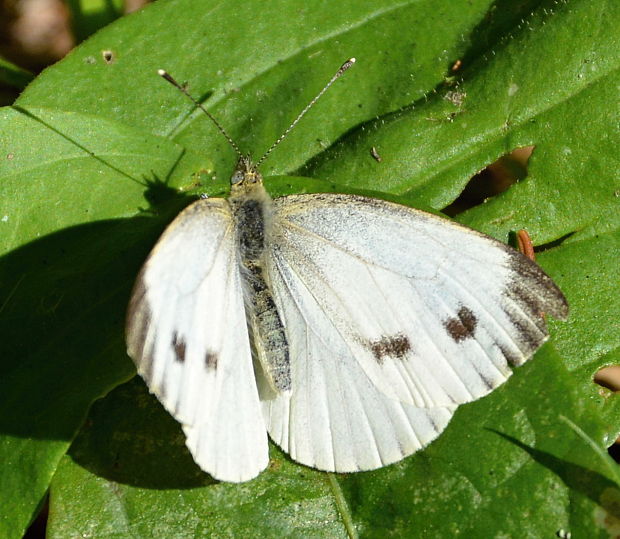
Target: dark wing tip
(535, 288)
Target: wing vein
(325, 379)
(428, 331)
(337, 247)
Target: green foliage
(12, 75)
(99, 153)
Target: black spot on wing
(211, 360)
(179, 348)
(395, 346)
(462, 326)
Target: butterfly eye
(237, 177)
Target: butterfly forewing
(393, 317)
(187, 334)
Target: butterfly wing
(393, 317)
(187, 334)
(334, 417)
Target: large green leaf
(98, 154)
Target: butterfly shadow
(62, 309)
(130, 439)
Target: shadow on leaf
(62, 317)
(591, 484)
(130, 439)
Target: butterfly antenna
(337, 75)
(178, 86)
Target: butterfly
(349, 328)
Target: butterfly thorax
(252, 209)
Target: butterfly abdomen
(264, 320)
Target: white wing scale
(393, 317)
(188, 336)
(335, 418)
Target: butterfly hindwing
(187, 334)
(335, 418)
(394, 316)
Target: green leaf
(130, 459)
(256, 87)
(532, 89)
(99, 154)
(144, 464)
(13, 75)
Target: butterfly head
(245, 177)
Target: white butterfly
(349, 328)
